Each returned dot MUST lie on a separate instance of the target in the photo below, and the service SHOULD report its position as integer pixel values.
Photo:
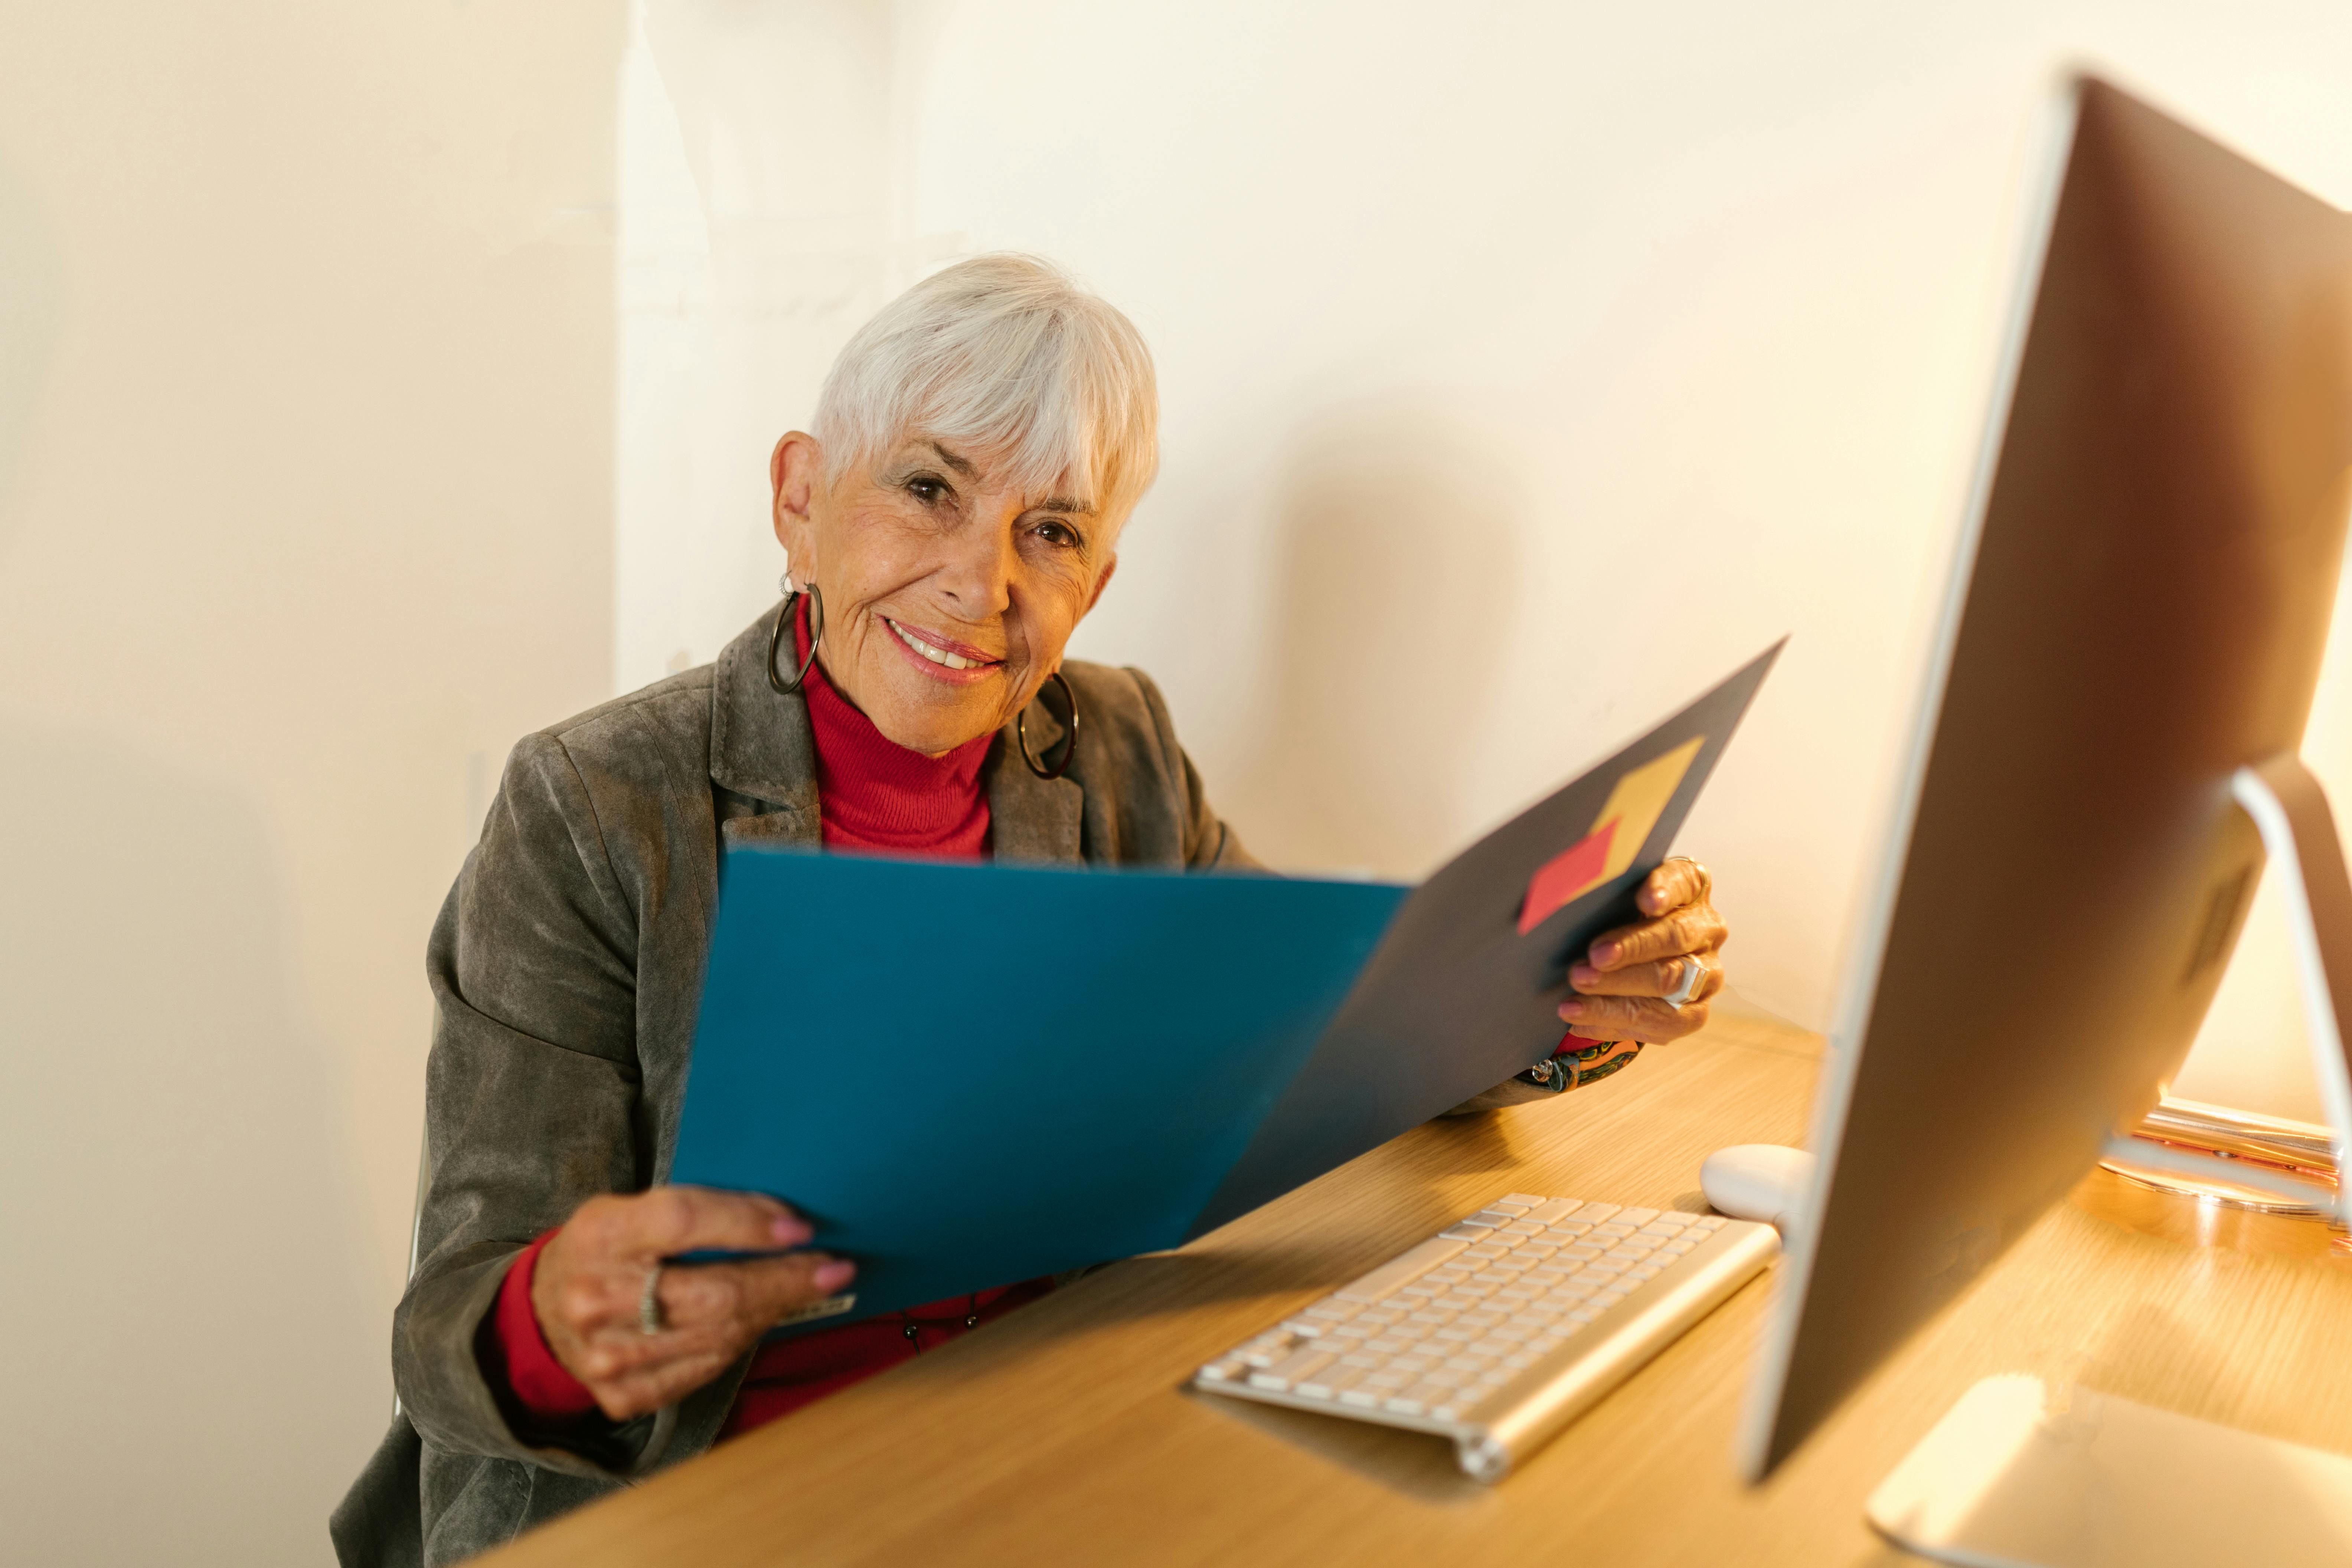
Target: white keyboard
(1502, 1329)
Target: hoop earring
(784, 619)
(1069, 745)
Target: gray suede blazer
(567, 966)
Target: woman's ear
(792, 475)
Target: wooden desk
(1061, 1434)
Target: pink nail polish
(833, 1275)
(789, 1231)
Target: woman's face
(949, 594)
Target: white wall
(1525, 367)
(306, 401)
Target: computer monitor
(2140, 599)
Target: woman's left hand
(1628, 973)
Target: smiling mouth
(936, 654)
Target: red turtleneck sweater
(875, 796)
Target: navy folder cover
(968, 1075)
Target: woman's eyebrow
(961, 465)
(1063, 504)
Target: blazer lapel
(1033, 821)
(761, 743)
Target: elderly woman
(952, 515)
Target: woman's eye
(931, 492)
(1060, 534)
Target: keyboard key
(1466, 1364)
(1450, 1274)
(1507, 1208)
(1332, 1308)
(1665, 1227)
(1288, 1370)
(1329, 1384)
(1364, 1360)
(1484, 1249)
(1553, 1210)
(1465, 1231)
(1529, 1200)
(1485, 1319)
(1637, 1216)
(1594, 1277)
(1533, 1252)
(1379, 1316)
(1493, 1350)
(1413, 1364)
(1678, 1247)
(1596, 1213)
(1416, 1400)
(1407, 1264)
(1454, 1333)
(1224, 1371)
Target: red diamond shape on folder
(1566, 876)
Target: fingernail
(1571, 1009)
(1604, 953)
(790, 1230)
(834, 1275)
(1582, 974)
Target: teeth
(936, 655)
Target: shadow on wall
(192, 1344)
(1397, 571)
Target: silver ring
(649, 1313)
(1693, 978)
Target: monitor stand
(2234, 1157)
(2019, 1476)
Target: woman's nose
(978, 578)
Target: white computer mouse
(1756, 1180)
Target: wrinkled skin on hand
(1627, 973)
(589, 1282)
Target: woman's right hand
(590, 1284)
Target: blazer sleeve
(532, 1102)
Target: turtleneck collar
(875, 794)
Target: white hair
(1007, 354)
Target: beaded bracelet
(1574, 1068)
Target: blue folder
(969, 1075)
